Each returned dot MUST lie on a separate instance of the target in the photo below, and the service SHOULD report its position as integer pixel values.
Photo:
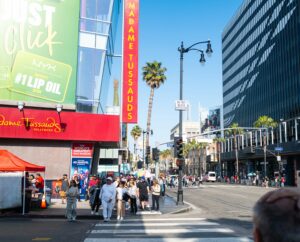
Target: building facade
(261, 76)
(55, 65)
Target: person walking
(143, 191)
(155, 189)
(77, 181)
(95, 201)
(108, 198)
(72, 195)
(132, 191)
(120, 201)
(64, 188)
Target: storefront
(58, 141)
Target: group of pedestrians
(122, 193)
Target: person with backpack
(95, 201)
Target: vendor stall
(11, 163)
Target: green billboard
(38, 50)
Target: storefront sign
(39, 42)
(82, 149)
(45, 124)
(130, 62)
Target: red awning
(10, 162)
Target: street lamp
(183, 50)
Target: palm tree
(195, 147)
(166, 156)
(154, 76)
(235, 130)
(135, 133)
(219, 141)
(265, 122)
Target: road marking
(228, 239)
(162, 231)
(41, 239)
(156, 224)
(164, 219)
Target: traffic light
(178, 147)
(155, 154)
(148, 150)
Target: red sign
(130, 61)
(82, 150)
(45, 124)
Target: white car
(211, 176)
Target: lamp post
(183, 50)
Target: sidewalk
(57, 210)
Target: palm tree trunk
(149, 116)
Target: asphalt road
(228, 204)
(220, 213)
(23, 230)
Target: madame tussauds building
(55, 66)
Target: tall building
(261, 77)
(55, 65)
(261, 62)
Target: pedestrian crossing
(162, 230)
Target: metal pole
(180, 190)
(144, 150)
(265, 156)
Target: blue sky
(163, 25)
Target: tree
(219, 141)
(197, 148)
(135, 133)
(235, 130)
(154, 76)
(265, 122)
(166, 155)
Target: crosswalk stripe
(164, 219)
(227, 239)
(156, 224)
(162, 231)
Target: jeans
(155, 201)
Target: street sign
(181, 105)
(279, 148)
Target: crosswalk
(162, 230)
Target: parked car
(210, 176)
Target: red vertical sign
(130, 61)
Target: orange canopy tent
(10, 162)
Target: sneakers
(105, 220)
(121, 218)
(118, 218)
(92, 212)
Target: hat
(109, 178)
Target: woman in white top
(132, 192)
(120, 202)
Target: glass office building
(260, 58)
(98, 26)
(260, 47)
